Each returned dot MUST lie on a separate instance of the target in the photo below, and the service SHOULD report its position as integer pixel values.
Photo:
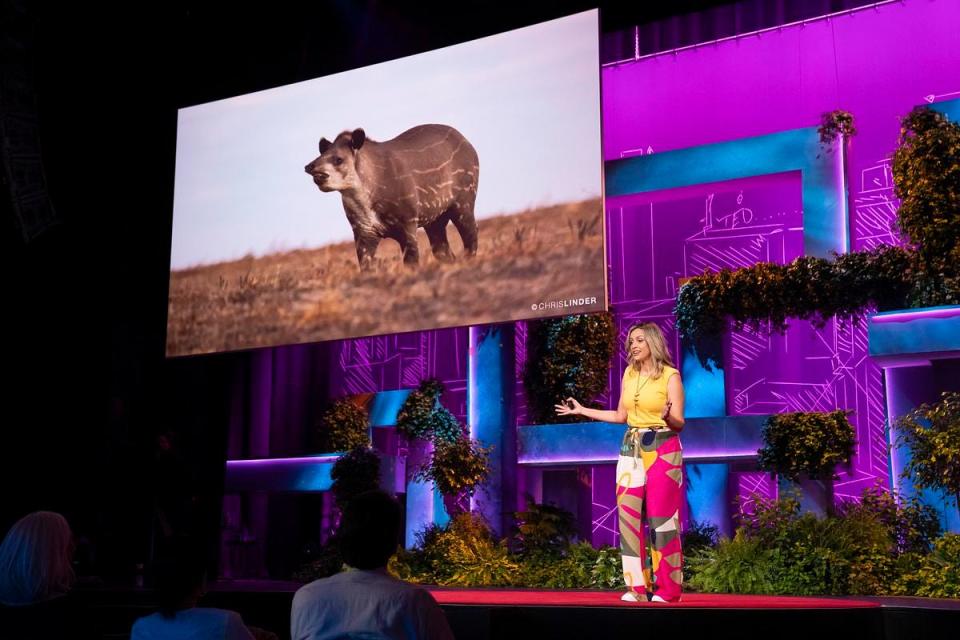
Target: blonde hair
(35, 559)
(659, 352)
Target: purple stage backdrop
(877, 63)
(387, 363)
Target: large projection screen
(457, 187)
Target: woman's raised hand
(570, 407)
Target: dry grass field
(552, 253)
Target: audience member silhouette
(36, 578)
(365, 601)
(180, 580)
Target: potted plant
(439, 450)
(932, 433)
(804, 449)
(344, 426)
(456, 468)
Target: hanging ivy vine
(926, 173)
(764, 296)
(835, 124)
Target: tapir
(425, 177)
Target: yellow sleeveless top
(645, 397)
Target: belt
(634, 435)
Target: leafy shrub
(607, 572)
(911, 525)
(543, 528)
(463, 554)
(926, 176)
(936, 575)
(569, 568)
(763, 296)
(355, 472)
(457, 467)
(699, 535)
(932, 433)
(740, 565)
(696, 537)
(779, 550)
(810, 443)
(566, 357)
(423, 417)
(344, 426)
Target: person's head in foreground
(35, 559)
(369, 529)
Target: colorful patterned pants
(650, 484)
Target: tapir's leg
(463, 220)
(437, 233)
(366, 249)
(411, 252)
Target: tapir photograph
(456, 187)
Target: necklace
(636, 394)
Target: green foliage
(422, 416)
(463, 554)
(344, 426)
(355, 472)
(926, 174)
(834, 124)
(740, 565)
(543, 528)
(765, 295)
(932, 433)
(911, 525)
(547, 558)
(696, 537)
(700, 535)
(936, 575)
(566, 357)
(806, 443)
(607, 572)
(445, 426)
(327, 563)
(457, 468)
(778, 550)
(926, 171)
(458, 464)
(570, 568)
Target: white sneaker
(659, 599)
(630, 596)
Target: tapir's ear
(324, 145)
(357, 138)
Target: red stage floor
(499, 614)
(567, 598)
